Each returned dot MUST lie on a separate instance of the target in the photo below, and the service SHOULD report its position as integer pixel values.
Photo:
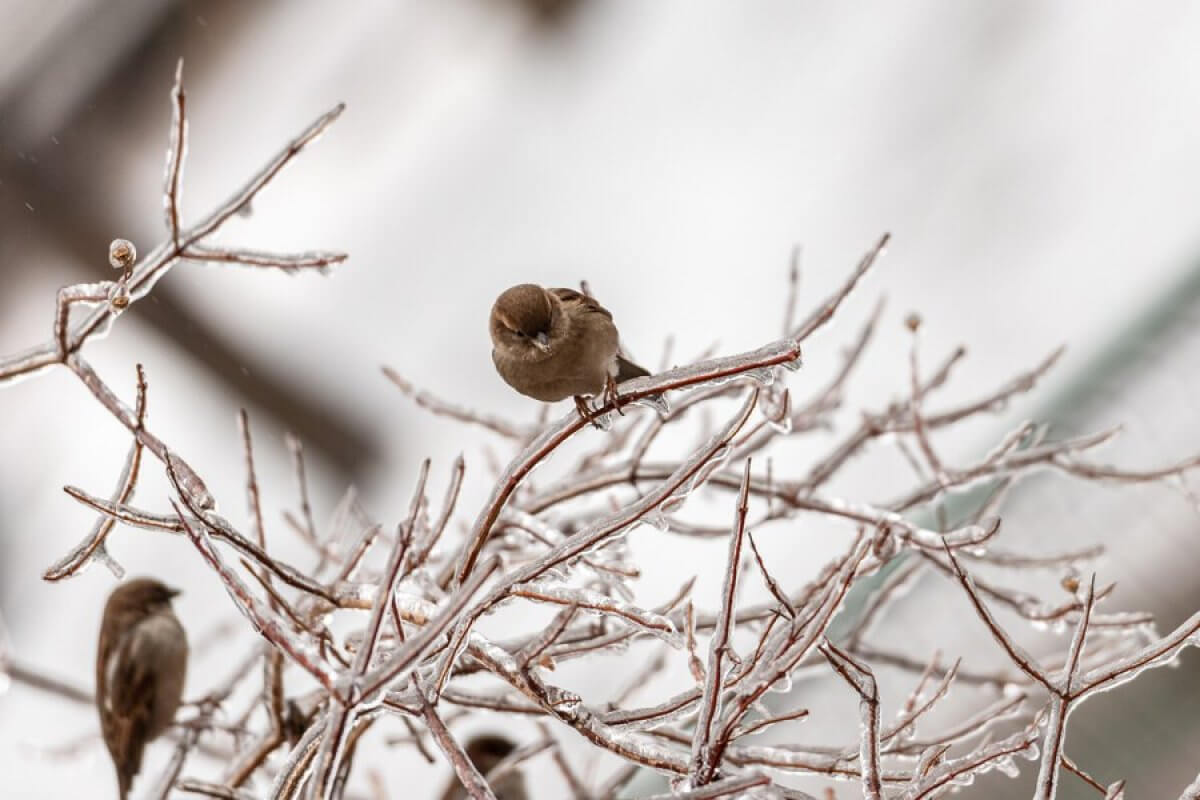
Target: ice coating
(590, 601)
(189, 483)
(962, 771)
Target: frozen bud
(912, 321)
(884, 543)
(121, 254)
(1070, 583)
(118, 297)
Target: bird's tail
(627, 370)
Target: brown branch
(706, 753)
(464, 768)
(727, 787)
(825, 312)
(862, 681)
(316, 260)
(1025, 662)
(93, 547)
(176, 152)
(439, 407)
(784, 352)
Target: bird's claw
(612, 396)
(585, 413)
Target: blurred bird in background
(141, 663)
(485, 752)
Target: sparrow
(550, 344)
(141, 662)
(485, 752)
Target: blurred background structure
(1036, 164)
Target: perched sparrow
(485, 752)
(140, 666)
(550, 344)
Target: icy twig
(468, 775)
(1060, 706)
(439, 407)
(860, 678)
(780, 353)
(706, 753)
(93, 547)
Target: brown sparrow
(141, 663)
(550, 344)
(485, 752)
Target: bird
(550, 344)
(141, 663)
(486, 751)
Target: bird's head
(524, 320)
(141, 596)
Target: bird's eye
(520, 334)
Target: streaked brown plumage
(550, 344)
(141, 663)
(485, 752)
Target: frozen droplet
(1011, 690)
(603, 421)
(562, 698)
(556, 574)
(107, 560)
(763, 376)
(671, 504)
(658, 402)
(658, 520)
(121, 254)
(781, 424)
(783, 685)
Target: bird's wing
(126, 711)
(572, 297)
(626, 369)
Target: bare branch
(439, 407)
(784, 352)
(468, 775)
(706, 754)
(1025, 662)
(176, 153)
(861, 679)
(93, 547)
(314, 260)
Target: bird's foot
(585, 413)
(612, 395)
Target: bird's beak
(542, 342)
(173, 593)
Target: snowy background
(1035, 162)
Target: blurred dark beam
(66, 187)
(549, 15)
(54, 81)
